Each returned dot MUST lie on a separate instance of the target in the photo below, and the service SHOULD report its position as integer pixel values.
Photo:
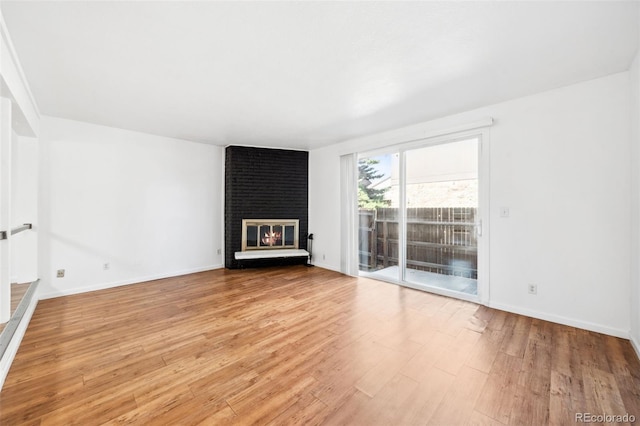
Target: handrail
(14, 231)
(19, 229)
(11, 326)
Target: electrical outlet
(504, 211)
(106, 266)
(60, 273)
(219, 251)
(324, 257)
(533, 289)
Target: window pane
(289, 237)
(378, 214)
(265, 236)
(277, 235)
(442, 202)
(252, 236)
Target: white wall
(24, 209)
(19, 115)
(560, 161)
(149, 206)
(634, 77)
(6, 136)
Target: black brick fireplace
(263, 183)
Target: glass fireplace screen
(269, 234)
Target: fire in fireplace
(261, 234)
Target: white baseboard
(585, 325)
(14, 344)
(325, 266)
(635, 344)
(598, 328)
(137, 280)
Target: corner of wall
(634, 76)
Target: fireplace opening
(265, 234)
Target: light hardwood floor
(298, 345)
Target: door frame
(401, 149)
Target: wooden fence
(441, 240)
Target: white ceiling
(305, 74)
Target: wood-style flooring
(298, 345)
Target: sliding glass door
(419, 216)
(441, 190)
(378, 200)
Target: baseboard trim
(635, 344)
(137, 280)
(325, 266)
(585, 325)
(14, 344)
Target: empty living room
(319, 212)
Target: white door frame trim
(484, 202)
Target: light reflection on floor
(449, 282)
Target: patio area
(441, 247)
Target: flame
(270, 238)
